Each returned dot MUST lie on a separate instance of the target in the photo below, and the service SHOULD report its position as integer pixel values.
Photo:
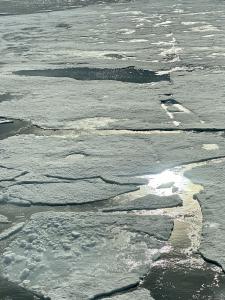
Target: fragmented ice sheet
(108, 155)
(212, 202)
(88, 168)
(79, 256)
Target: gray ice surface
(85, 141)
(89, 168)
(148, 202)
(80, 256)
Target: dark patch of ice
(6, 97)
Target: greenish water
(180, 278)
(10, 291)
(12, 127)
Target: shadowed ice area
(129, 74)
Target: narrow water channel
(181, 273)
(11, 291)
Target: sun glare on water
(167, 183)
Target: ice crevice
(41, 129)
(203, 160)
(26, 182)
(122, 290)
(12, 230)
(25, 202)
(106, 180)
(9, 168)
(20, 126)
(13, 179)
(168, 129)
(211, 261)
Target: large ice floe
(82, 255)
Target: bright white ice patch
(156, 182)
(179, 11)
(166, 23)
(176, 123)
(210, 147)
(4, 121)
(191, 23)
(126, 31)
(89, 123)
(205, 28)
(138, 41)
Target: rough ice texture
(82, 255)
(213, 206)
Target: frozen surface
(90, 121)
(55, 170)
(79, 256)
(77, 192)
(148, 202)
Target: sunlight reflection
(167, 183)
